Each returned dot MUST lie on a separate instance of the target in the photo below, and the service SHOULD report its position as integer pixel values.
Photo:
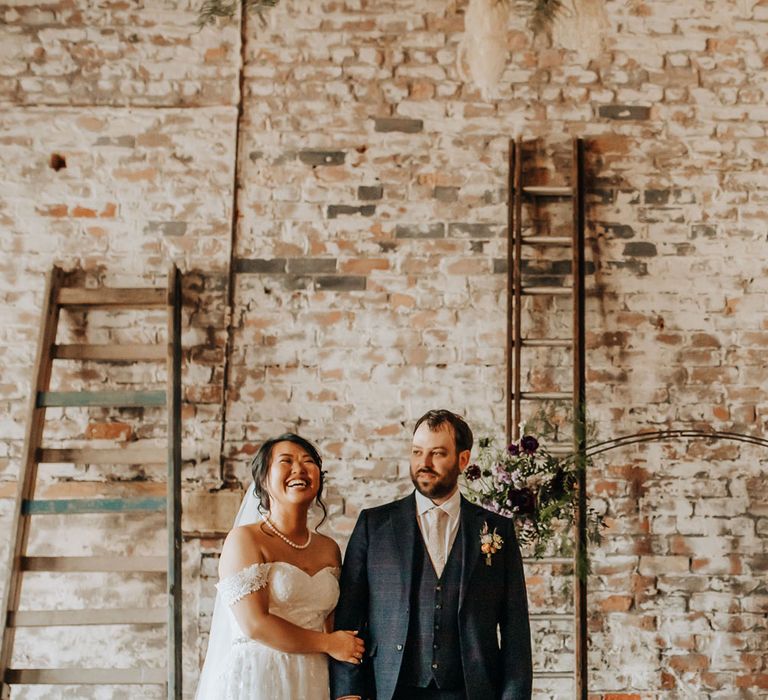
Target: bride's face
(293, 475)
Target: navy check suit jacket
(376, 578)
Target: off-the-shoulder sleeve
(241, 584)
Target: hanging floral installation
(483, 48)
(482, 54)
(580, 26)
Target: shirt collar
(452, 506)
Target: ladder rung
(129, 298)
(545, 395)
(100, 398)
(568, 617)
(71, 506)
(546, 240)
(548, 560)
(553, 674)
(546, 342)
(560, 449)
(85, 676)
(90, 455)
(110, 353)
(73, 618)
(548, 191)
(73, 564)
(547, 291)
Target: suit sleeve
(352, 613)
(515, 628)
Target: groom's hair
(462, 433)
(260, 468)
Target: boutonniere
(490, 542)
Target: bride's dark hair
(260, 468)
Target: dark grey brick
(167, 228)
(465, 230)
(119, 141)
(624, 112)
(370, 192)
(322, 157)
(305, 266)
(656, 196)
(340, 283)
(446, 194)
(618, 230)
(500, 266)
(337, 210)
(638, 267)
(295, 283)
(640, 249)
(257, 266)
(420, 231)
(703, 231)
(407, 126)
(253, 156)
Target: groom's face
(435, 465)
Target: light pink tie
(437, 520)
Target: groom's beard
(441, 486)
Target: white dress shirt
(438, 551)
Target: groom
(441, 620)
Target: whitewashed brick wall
(369, 272)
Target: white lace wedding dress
(254, 671)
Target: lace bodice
(294, 595)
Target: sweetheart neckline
(298, 568)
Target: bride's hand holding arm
(254, 619)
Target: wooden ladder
(59, 294)
(517, 340)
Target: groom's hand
(349, 697)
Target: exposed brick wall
(370, 271)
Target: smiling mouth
(298, 484)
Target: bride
(278, 586)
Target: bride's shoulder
(242, 546)
(329, 546)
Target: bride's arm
(254, 619)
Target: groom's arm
(352, 612)
(515, 628)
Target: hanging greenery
(211, 10)
(543, 12)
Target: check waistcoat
(432, 646)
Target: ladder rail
(579, 417)
(28, 469)
(173, 579)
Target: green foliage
(543, 13)
(539, 490)
(212, 10)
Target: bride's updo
(260, 468)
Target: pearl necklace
(271, 526)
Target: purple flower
(501, 474)
(523, 500)
(472, 472)
(513, 449)
(529, 444)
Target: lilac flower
(501, 474)
(529, 444)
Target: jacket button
(434, 665)
(399, 647)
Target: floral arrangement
(524, 481)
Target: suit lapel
(403, 524)
(471, 525)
